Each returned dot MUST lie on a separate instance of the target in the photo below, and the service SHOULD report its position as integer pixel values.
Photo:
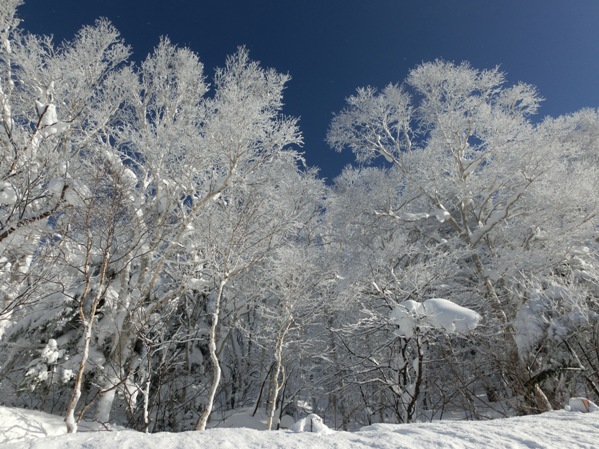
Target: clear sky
(331, 47)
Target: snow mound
(20, 425)
(311, 423)
(581, 405)
(548, 430)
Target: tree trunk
(276, 386)
(76, 394)
(216, 370)
(87, 336)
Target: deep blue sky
(331, 47)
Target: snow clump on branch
(434, 313)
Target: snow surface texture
(22, 425)
(23, 429)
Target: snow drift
(23, 429)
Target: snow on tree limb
(435, 313)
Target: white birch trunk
(76, 394)
(276, 386)
(87, 336)
(216, 371)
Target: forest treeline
(167, 259)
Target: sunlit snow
(434, 313)
(24, 429)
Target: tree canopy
(167, 259)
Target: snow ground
(25, 429)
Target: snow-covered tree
(468, 181)
(166, 258)
(47, 99)
(134, 163)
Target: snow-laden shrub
(311, 423)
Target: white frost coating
(56, 185)
(104, 404)
(77, 194)
(413, 217)
(530, 324)
(496, 216)
(434, 313)
(22, 266)
(557, 292)
(164, 196)
(492, 274)
(47, 113)
(552, 314)
(8, 194)
(55, 129)
(51, 353)
(407, 316)
(39, 369)
(442, 215)
(130, 176)
(387, 157)
(67, 375)
(49, 119)
(196, 284)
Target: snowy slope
(23, 429)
